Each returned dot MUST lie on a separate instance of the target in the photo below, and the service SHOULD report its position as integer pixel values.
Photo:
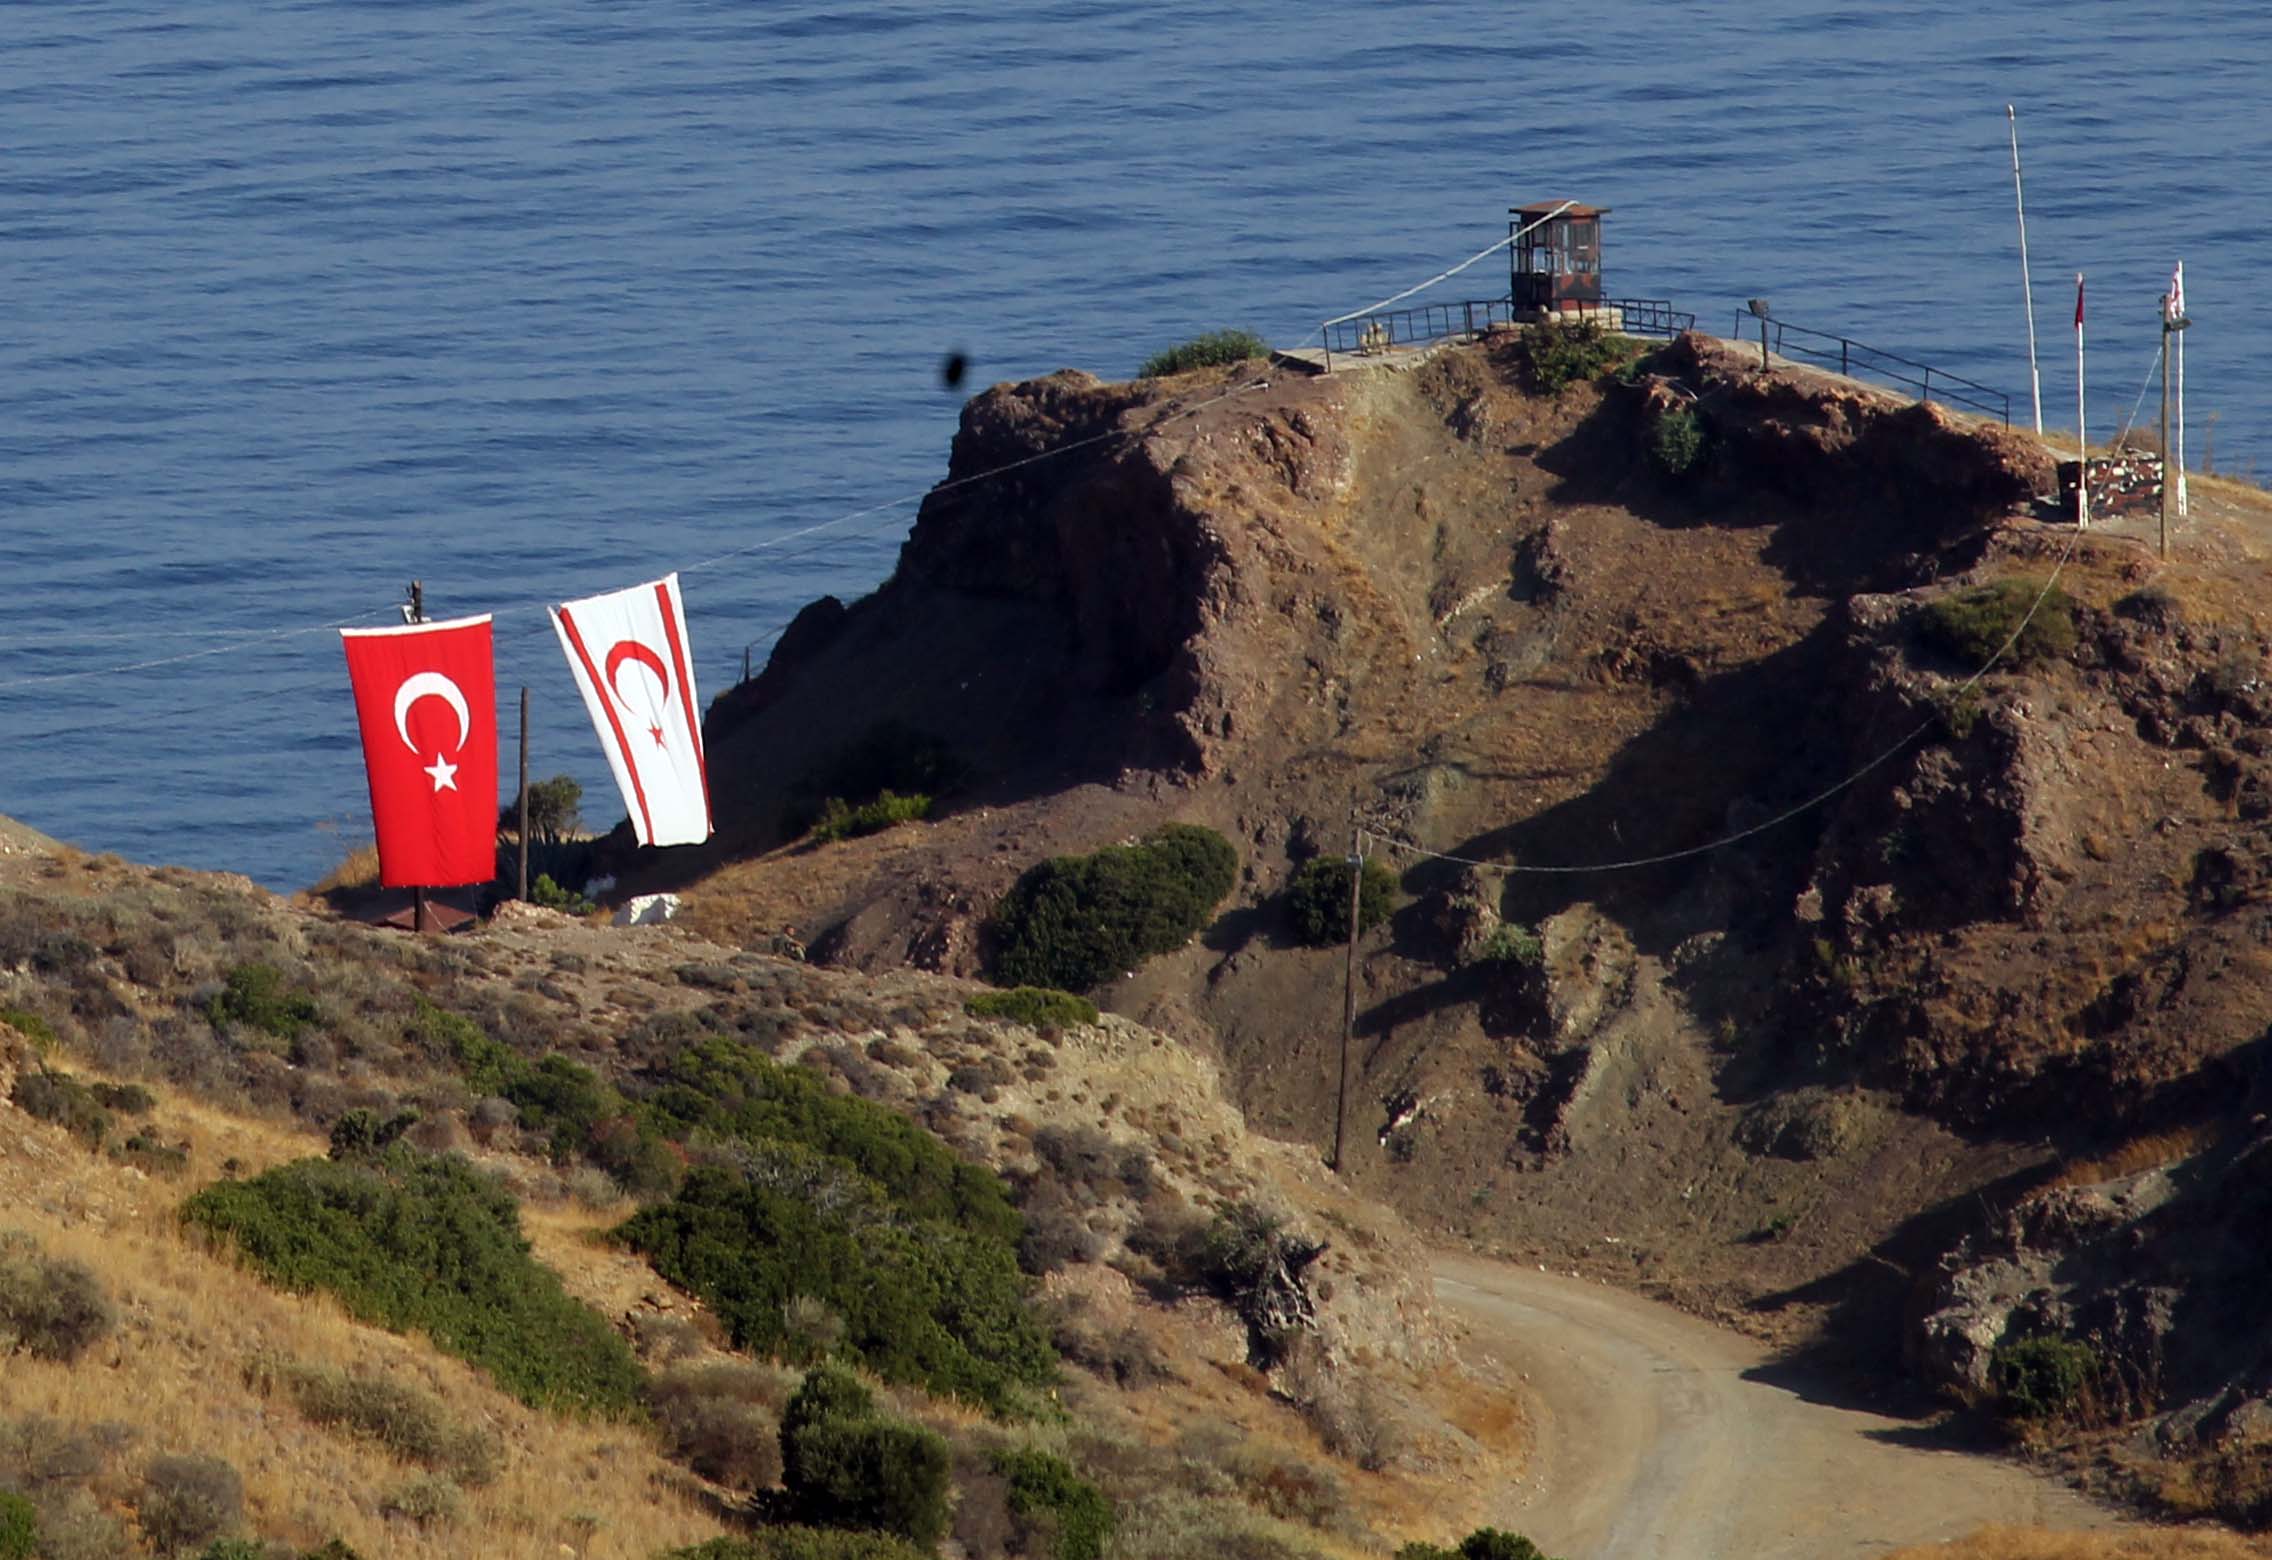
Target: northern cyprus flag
(628, 651)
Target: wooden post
(524, 793)
(418, 893)
(1348, 988)
(1763, 366)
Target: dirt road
(1652, 1442)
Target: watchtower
(1557, 264)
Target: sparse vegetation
(1676, 440)
(409, 1423)
(1482, 1544)
(1512, 943)
(545, 894)
(31, 1026)
(49, 1308)
(418, 1242)
(1036, 1007)
(1557, 356)
(1215, 349)
(840, 820)
(803, 1543)
(2042, 1377)
(1317, 901)
(53, 1096)
(720, 1420)
(1076, 922)
(1975, 624)
(189, 1501)
(257, 998)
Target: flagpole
(417, 614)
(2082, 421)
(2027, 281)
(2180, 395)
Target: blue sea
(300, 302)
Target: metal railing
(1392, 328)
(1857, 360)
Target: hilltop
(1798, 1081)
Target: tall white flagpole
(2027, 282)
(2179, 285)
(2082, 420)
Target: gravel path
(1656, 1437)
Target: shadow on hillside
(1860, 1349)
(1841, 524)
(1741, 748)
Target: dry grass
(359, 868)
(191, 1323)
(2015, 1543)
(2149, 1152)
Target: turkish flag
(628, 652)
(426, 698)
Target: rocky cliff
(1841, 941)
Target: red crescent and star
(632, 650)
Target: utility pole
(1349, 982)
(2172, 323)
(524, 792)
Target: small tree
(554, 810)
(1318, 899)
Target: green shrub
(411, 1424)
(1556, 356)
(2038, 1378)
(725, 1089)
(1046, 1486)
(489, 1065)
(872, 1473)
(827, 1392)
(1214, 350)
(839, 820)
(1075, 922)
(1318, 900)
(564, 1100)
(128, 1099)
(49, 1308)
(1511, 942)
(417, 1242)
(234, 1549)
(48, 1095)
(31, 1026)
(1676, 439)
(1482, 1544)
(188, 1501)
(803, 1543)
(1974, 624)
(19, 1527)
(545, 894)
(1036, 1007)
(256, 997)
(923, 1301)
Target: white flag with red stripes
(629, 653)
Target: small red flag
(2078, 300)
(426, 699)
